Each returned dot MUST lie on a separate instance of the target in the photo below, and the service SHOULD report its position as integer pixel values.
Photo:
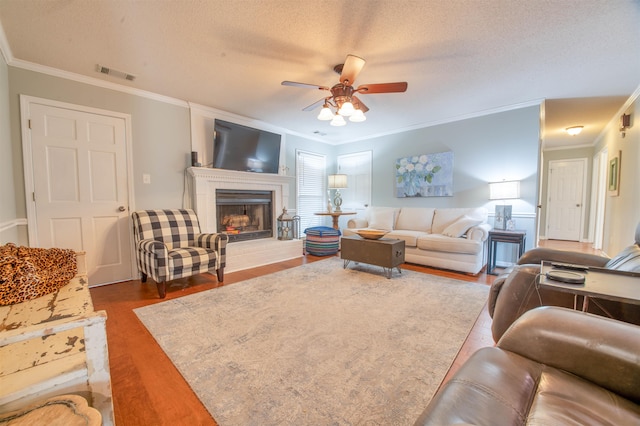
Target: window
(311, 188)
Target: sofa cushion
(442, 243)
(410, 237)
(461, 226)
(445, 217)
(382, 218)
(415, 219)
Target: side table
(334, 216)
(496, 236)
(600, 283)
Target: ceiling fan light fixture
(325, 113)
(346, 109)
(357, 116)
(338, 120)
(575, 130)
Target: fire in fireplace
(244, 214)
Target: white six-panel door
(80, 187)
(565, 203)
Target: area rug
(318, 344)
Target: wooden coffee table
(385, 252)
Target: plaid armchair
(169, 245)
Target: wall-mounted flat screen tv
(237, 147)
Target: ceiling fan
(343, 95)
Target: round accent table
(335, 216)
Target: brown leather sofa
(516, 291)
(554, 366)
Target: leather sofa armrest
(357, 223)
(601, 350)
(537, 255)
(496, 287)
(479, 232)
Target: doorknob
(121, 209)
(577, 205)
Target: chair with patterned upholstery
(169, 245)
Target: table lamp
(337, 182)
(504, 190)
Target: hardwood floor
(148, 390)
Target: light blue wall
(8, 214)
(161, 134)
(501, 146)
(489, 148)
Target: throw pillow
(415, 219)
(461, 226)
(381, 218)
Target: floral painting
(426, 175)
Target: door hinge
(33, 195)
(29, 122)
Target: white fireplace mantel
(243, 254)
(205, 182)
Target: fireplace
(244, 214)
(204, 186)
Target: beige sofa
(447, 238)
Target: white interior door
(565, 199)
(80, 187)
(357, 167)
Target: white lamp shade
(504, 190)
(325, 114)
(346, 109)
(357, 116)
(338, 120)
(337, 181)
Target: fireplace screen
(244, 215)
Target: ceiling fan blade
(358, 104)
(351, 68)
(367, 89)
(304, 85)
(314, 105)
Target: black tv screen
(237, 147)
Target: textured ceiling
(461, 58)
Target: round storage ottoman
(322, 240)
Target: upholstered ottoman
(322, 241)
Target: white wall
(622, 213)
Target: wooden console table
(335, 216)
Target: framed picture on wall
(614, 175)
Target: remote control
(569, 266)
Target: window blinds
(311, 188)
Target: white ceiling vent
(115, 73)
